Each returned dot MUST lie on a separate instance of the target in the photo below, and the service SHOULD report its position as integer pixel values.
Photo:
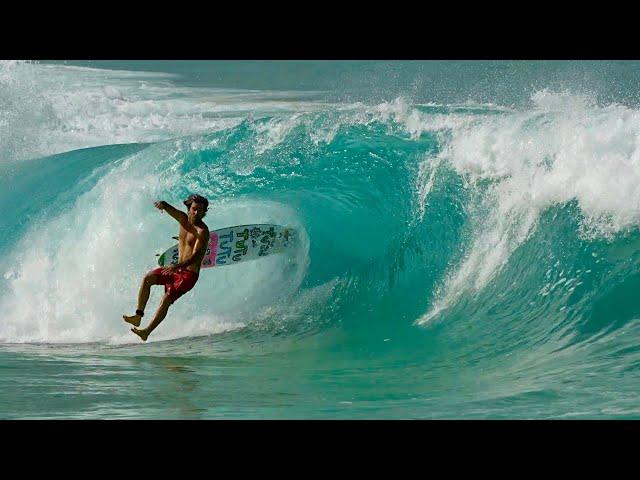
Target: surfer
(180, 278)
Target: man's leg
(143, 296)
(143, 333)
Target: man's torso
(186, 246)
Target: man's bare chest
(187, 239)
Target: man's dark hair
(197, 199)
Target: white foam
(274, 132)
(566, 148)
(47, 109)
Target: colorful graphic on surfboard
(231, 245)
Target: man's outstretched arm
(180, 217)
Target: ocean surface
(469, 239)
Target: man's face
(196, 211)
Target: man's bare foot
(133, 319)
(142, 333)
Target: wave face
(461, 259)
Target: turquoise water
(469, 239)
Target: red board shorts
(178, 283)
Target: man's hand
(161, 205)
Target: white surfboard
(231, 245)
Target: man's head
(196, 207)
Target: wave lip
(566, 149)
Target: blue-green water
(469, 239)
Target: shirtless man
(180, 278)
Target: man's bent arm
(185, 263)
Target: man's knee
(151, 279)
(167, 300)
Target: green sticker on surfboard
(231, 245)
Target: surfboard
(242, 243)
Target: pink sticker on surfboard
(212, 249)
